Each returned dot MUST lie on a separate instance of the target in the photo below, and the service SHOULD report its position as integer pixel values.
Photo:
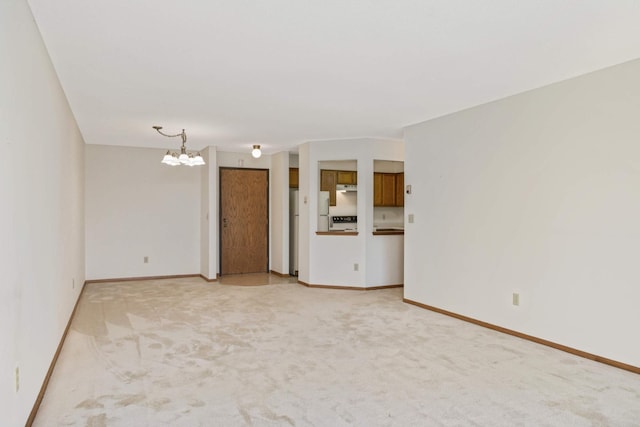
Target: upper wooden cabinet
(388, 189)
(400, 189)
(347, 177)
(294, 176)
(377, 189)
(330, 178)
(328, 181)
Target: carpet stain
(89, 404)
(167, 342)
(196, 403)
(246, 416)
(135, 375)
(159, 403)
(130, 400)
(97, 421)
(279, 419)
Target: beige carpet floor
(255, 279)
(190, 353)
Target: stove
(343, 223)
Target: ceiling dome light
(256, 153)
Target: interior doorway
(244, 221)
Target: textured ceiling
(282, 72)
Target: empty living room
(299, 213)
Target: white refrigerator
(323, 211)
(293, 231)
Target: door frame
(220, 169)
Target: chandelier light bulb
(168, 158)
(198, 160)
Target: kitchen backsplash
(346, 204)
(388, 217)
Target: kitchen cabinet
(400, 189)
(328, 181)
(377, 189)
(330, 178)
(388, 189)
(347, 177)
(294, 177)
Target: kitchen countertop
(378, 231)
(337, 233)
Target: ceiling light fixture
(256, 153)
(184, 158)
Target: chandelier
(184, 158)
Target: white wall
(329, 260)
(41, 213)
(137, 207)
(538, 194)
(243, 160)
(279, 208)
(385, 266)
(307, 223)
(205, 198)
(209, 215)
(294, 160)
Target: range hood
(346, 188)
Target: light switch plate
(516, 298)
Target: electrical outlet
(73, 283)
(356, 267)
(516, 299)
(146, 260)
(17, 378)
(410, 219)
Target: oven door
(343, 223)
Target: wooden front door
(244, 221)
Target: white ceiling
(282, 72)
